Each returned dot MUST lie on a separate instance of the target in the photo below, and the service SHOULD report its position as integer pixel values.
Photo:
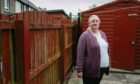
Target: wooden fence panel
(39, 17)
(44, 52)
(20, 16)
(4, 17)
(30, 17)
(25, 16)
(33, 50)
(6, 53)
(35, 17)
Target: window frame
(6, 5)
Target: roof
(57, 11)
(24, 1)
(32, 5)
(29, 3)
(110, 4)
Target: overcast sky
(68, 6)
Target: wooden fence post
(6, 58)
(22, 52)
(62, 44)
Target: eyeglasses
(93, 21)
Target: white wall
(20, 7)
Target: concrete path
(113, 78)
(121, 78)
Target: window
(30, 9)
(22, 7)
(25, 8)
(6, 5)
(18, 7)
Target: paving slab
(111, 82)
(114, 77)
(133, 78)
(121, 78)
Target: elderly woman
(92, 53)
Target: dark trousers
(90, 80)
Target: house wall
(12, 6)
(16, 6)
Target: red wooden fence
(6, 51)
(34, 49)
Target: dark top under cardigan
(88, 54)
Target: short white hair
(92, 17)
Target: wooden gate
(38, 49)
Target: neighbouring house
(16, 6)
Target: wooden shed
(120, 20)
(59, 17)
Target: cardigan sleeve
(81, 50)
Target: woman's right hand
(80, 74)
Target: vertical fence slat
(39, 47)
(30, 17)
(32, 51)
(12, 57)
(20, 16)
(48, 44)
(1, 59)
(6, 56)
(36, 34)
(42, 47)
(22, 52)
(45, 46)
(25, 16)
(62, 48)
